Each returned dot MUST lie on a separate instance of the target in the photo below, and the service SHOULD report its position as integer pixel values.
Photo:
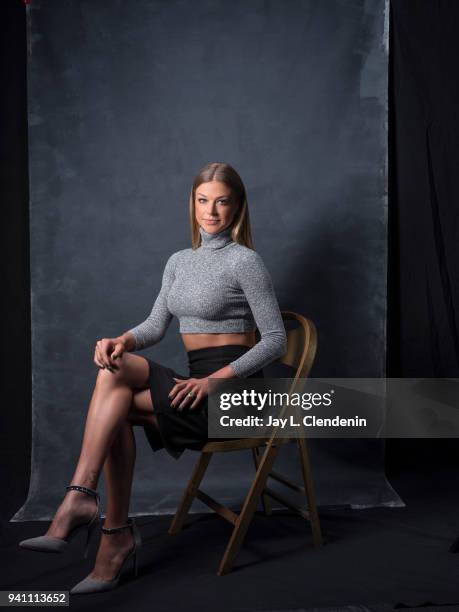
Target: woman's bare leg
(107, 415)
(118, 474)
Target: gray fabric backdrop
(127, 100)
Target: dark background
(423, 227)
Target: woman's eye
(221, 201)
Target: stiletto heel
(47, 543)
(93, 585)
(91, 528)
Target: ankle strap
(83, 490)
(110, 530)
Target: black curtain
(423, 282)
(15, 414)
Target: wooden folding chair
(300, 354)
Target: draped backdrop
(126, 101)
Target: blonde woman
(220, 291)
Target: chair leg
(190, 492)
(310, 494)
(264, 497)
(248, 509)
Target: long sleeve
(255, 280)
(152, 330)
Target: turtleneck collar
(217, 240)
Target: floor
(374, 559)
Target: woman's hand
(106, 351)
(198, 386)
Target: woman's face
(214, 206)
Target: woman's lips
(211, 221)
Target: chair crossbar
(287, 482)
(221, 510)
(283, 500)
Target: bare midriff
(193, 342)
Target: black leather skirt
(187, 428)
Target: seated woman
(220, 291)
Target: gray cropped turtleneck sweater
(220, 287)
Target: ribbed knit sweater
(220, 287)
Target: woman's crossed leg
(120, 400)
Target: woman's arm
(255, 281)
(152, 330)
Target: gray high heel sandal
(92, 585)
(47, 543)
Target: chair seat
(220, 446)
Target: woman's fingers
(182, 398)
(177, 387)
(102, 355)
(178, 397)
(97, 359)
(196, 400)
(112, 362)
(117, 354)
(179, 393)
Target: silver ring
(190, 394)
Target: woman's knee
(118, 374)
(129, 370)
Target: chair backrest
(301, 344)
(300, 354)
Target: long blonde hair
(240, 227)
